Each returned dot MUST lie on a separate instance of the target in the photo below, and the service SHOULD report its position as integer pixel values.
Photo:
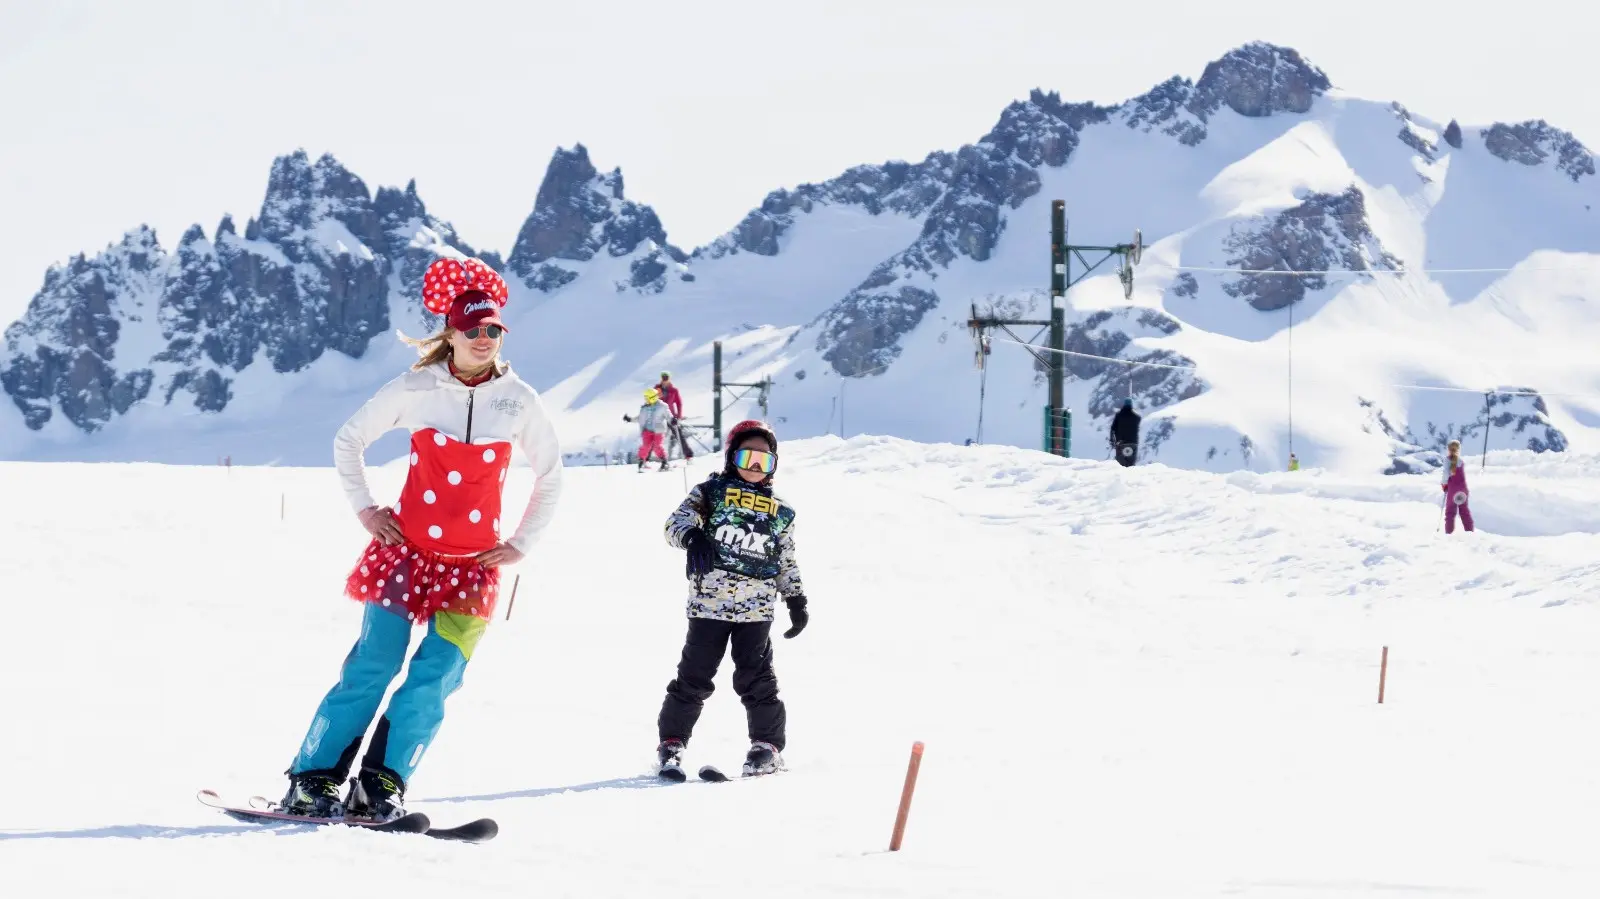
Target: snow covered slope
(1146, 683)
(1408, 253)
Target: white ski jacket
(503, 409)
(654, 417)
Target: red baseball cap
(474, 308)
(467, 292)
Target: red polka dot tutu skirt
(422, 582)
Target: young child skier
(1453, 481)
(654, 419)
(739, 539)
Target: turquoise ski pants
(416, 710)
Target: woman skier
(1453, 481)
(435, 555)
(741, 560)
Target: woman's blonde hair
(1455, 444)
(433, 349)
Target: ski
(713, 774)
(672, 774)
(414, 822)
(477, 831)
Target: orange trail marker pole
(905, 796)
(513, 600)
(1383, 674)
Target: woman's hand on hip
(380, 523)
(501, 554)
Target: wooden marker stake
(1383, 674)
(905, 796)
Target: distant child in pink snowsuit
(1454, 483)
(653, 421)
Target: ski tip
(211, 798)
(479, 831)
(674, 775)
(711, 774)
(415, 822)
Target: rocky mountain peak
(579, 212)
(415, 239)
(1324, 232)
(301, 194)
(311, 273)
(1044, 130)
(393, 204)
(1258, 79)
(1452, 134)
(1534, 142)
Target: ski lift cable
(1497, 391)
(1364, 271)
(1476, 390)
(1093, 356)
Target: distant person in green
(1294, 464)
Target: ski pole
(513, 600)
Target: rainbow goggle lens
(755, 460)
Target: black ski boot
(312, 794)
(763, 758)
(670, 755)
(376, 794)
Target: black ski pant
(1127, 454)
(753, 679)
(683, 444)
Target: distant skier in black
(739, 538)
(1125, 433)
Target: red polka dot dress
(449, 511)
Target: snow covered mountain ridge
(848, 292)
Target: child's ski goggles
(755, 460)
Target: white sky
(116, 113)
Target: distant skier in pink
(674, 401)
(1453, 482)
(670, 395)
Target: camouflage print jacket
(753, 533)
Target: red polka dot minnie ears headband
(467, 292)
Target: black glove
(700, 551)
(627, 417)
(797, 616)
